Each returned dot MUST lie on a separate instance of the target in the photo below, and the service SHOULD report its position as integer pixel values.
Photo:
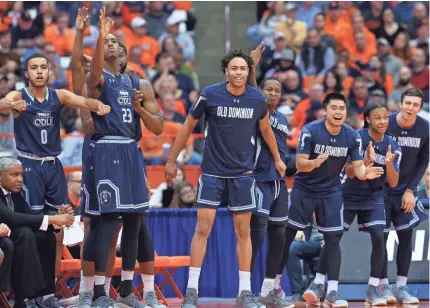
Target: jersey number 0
(44, 136)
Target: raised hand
(389, 157)
(370, 152)
(257, 52)
(105, 22)
(373, 172)
(82, 19)
(320, 160)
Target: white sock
(148, 283)
(277, 284)
(126, 275)
(82, 274)
(332, 286)
(401, 281)
(267, 286)
(87, 284)
(55, 280)
(107, 284)
(244, 281)
(373, 281)
(99, 280)
(47, 296)
(383, 281)
(193, 278)
(319, 279)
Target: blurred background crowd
(369, 51)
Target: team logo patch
(105, 198)
(43, 119)
(124, 98)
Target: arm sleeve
(356, 150)
(197, 110)
(304, 146)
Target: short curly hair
(237, 53)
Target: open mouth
(39, 78)
(337, 118)
(238, 78)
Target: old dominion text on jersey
(230, 128)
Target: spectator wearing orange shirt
(301, 111)
(359, 51)
(119, 28)
(402, 49)
(149, 45)
(345, 79)
(334, 25)
(357, 25)
(60, 35)
(168, 109)
(155, 153)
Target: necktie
(10, 202)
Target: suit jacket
(22, 216)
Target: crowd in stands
(369, 51)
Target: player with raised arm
(118, 173)
(232, 111)
(271, 192)
(322, 152)
(402, 209)
(365, 199)
(36, 111)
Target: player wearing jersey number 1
(322, 152)
(232, 111)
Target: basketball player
(365, 199)
(272, 197)
(36, 111)
(401, 207)
(323, 149)
(232, 111)
(118, 173)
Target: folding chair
(70, 268)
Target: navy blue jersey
(37, 129)
(265, 170)
(135, 82)
(315, 140)
(230, 128)
(414, 142)
(118, 94)
(357, 190)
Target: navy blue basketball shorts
(117, 182)
(272, 201)
(44, 182)
(328, 211)
(396, 215)
(366, 219)
(87, 147)
(238, 193)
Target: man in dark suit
(29, 245)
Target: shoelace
(337, 296)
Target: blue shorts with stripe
(116, 177)
(372, 215)
(401, 220)
(44, 182)
(328, 211)
(272, 201)
(238, 193)
(86, 171)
